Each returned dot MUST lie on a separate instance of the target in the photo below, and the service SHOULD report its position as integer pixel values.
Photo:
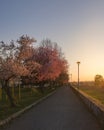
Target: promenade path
(61, 111)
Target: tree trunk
(41, 86)
(7, 90)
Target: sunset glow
(76, 25)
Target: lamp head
(78, 62)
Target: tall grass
(93, 90)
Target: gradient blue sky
(76, 25)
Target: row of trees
(23, 61)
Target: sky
(76, 25)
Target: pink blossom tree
(15, 62)
(9, 67)
(25, 56)
(51, 60)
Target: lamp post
(70, 77)
(78, 62)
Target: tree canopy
(23, 61)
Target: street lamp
(78, 62)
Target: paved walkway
(61, 111)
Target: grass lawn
(93, 90)
(23, 97)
